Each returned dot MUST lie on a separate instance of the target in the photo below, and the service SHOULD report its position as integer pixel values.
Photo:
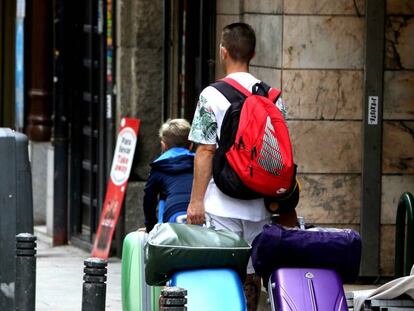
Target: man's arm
(203, 169)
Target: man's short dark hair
(240, 41)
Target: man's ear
(254, 54)
(223, 53)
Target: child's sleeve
(151, 192)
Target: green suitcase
(136, 294)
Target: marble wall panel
(399, 45)
(229, 6)
(341, 7)
(398, 147)
(269, 75)
(323, 42)
(330, 199)
(387, 250)
(323, 94)
(268, 30)
(393, 186)
(326, 146)
(403, 7)
(263, 6)
(399, 95)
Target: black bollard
(173, 299)
(25, 287)
(94, 285)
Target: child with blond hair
(171, 174)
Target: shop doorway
(189, 54)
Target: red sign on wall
(121, 167)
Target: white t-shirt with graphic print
(205, 129)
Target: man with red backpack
(244, 144)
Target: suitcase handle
(182, 219)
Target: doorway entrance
(189, 55)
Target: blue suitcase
(211, 289)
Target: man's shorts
(246, 229)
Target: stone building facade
(314, 51)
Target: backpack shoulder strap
(237, 86)
(272, 94)
(232, 94)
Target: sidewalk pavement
(59, 277)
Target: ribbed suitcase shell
(136, 294)
(301, 289)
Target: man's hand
(196, 213)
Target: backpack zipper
(241, 143)
(251, 170)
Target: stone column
(139, 74)
(139, 52)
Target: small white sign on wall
(373, 110)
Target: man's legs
(252, 289)
(248, 230)
(253, 283)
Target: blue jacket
(170, 179)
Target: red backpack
(254, 158)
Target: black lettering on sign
(373, 110)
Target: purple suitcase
(302, 289)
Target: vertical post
(173, 298)
(19, 68)
(101, 161)
(60, 121)
(25, 287)
(166, 59)
(7, 62)
(16, 207)
(94, 286)
(110, 82)
(372, 136)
